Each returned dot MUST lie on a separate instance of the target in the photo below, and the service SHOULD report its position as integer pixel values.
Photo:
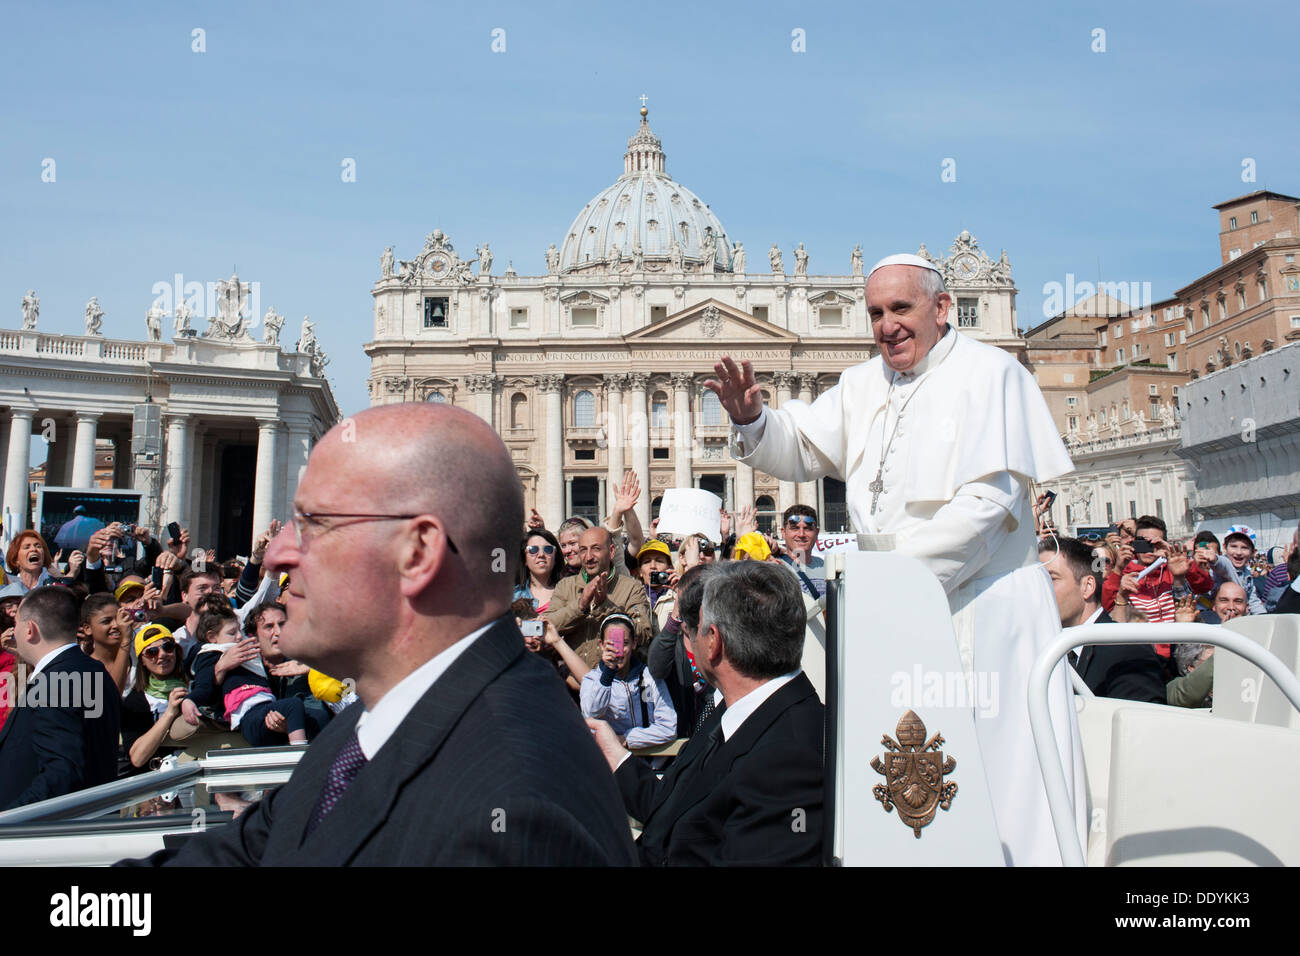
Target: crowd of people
(176, 646)
(1134, 574)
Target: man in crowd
(1126, 671)
(582, 601)
(799, 532)
(1155, 595)
(195, 585)
(938, 440)
(465, 749)
(747, 788)
(286, 678)
(671, 659)
(1194, 663)
(64, 736)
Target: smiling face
(539, 564)
(905, 321)
(160, 658)
(1229, 601)
(1238, 552)
(104, 628)
(593, 550)
(799, 532)
(569, 548)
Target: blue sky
(167, 160)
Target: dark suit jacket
(493, 765)
(47, 750)
(1126, 671)
(1288, 603)
(757, 800)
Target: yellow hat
(126, 586)
(150, 634)
(753, 544)
(324, 687)
(654, 545)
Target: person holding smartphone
(621, 691)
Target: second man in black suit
(747, 788)
(1126, 671)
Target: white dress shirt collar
(375, 726)
(736, 713)
(41, 664)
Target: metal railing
(1040, 719)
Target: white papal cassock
(972, 431)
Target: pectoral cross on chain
(876, 487)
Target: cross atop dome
(643, 153)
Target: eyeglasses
(794, 521)
(302, 520)
(162, 647)
(543, 548)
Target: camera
(139, 615)
(658, 579)
(533, 628)
(1142, 546)
(128, 529)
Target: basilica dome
(645, 207)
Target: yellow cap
(127, 586)
(324, 687)
(753, 544)
(150, 634)
(653, 545)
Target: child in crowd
(620, 690)
(229, 676)
(1234, 565)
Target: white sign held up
(686, 511)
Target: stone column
(264, 490)
(552, 509)
(683, 439)
(806, 491)
(638, 432)
(205, 500)
(176, 481)
(18, 468)
(295, 464)
(568, 495)
(602, 504)
(728, 501)
(83, 455)
(615, 434)
(744, 486)
(483, 388)
(785, 382)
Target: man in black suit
(1126, 671)
(465, 748)
(747, 788)
(63, 737)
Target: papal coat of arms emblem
(914, 769)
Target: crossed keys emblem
(914, 769)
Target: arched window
(1236, 349)
(437, 398)
(710, 409)
(765, 512)
(519, 410)
(584, 410)
(659, 410)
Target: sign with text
(686, 511)
(828, 543)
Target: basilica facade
(597, 366)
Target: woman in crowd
(28, 561)
(539, 568)
(567, 535)
(154, 701)
(102, 635)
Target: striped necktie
(347, 764)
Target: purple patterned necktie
(347, 764)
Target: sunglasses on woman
(543, 548)
(153, 650)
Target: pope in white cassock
(937, 439)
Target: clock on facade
(966, 266)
